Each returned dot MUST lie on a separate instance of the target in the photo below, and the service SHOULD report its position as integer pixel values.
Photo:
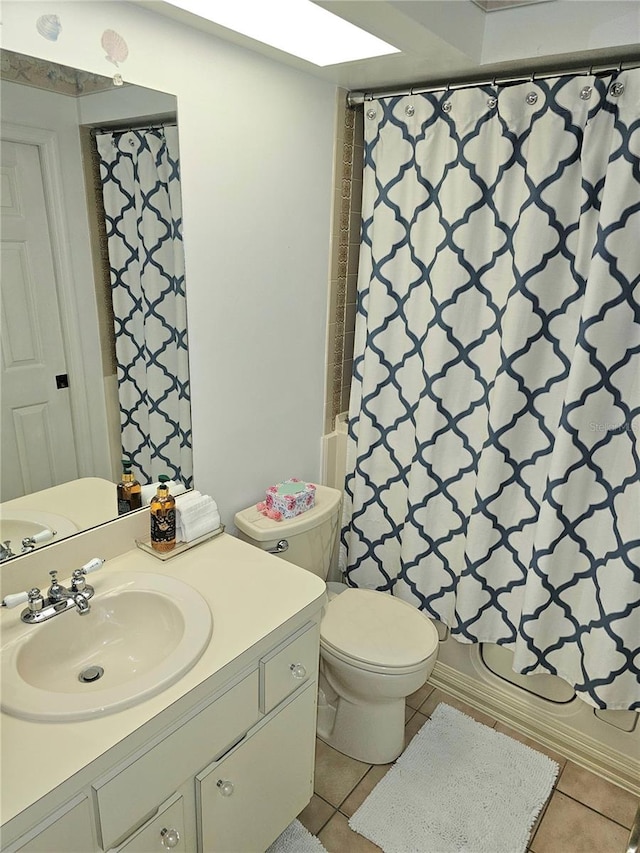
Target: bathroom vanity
(220, 760)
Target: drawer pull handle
(226, 787)
(170, 838)
(298, 671)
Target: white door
(37, 441)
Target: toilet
(375, 650)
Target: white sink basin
(143, 632)
(17, 525)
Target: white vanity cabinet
(166, 831)
(68, 830)
(246, 799)
(228, 774)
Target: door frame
(88, 407)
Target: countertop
(86, 502)
(250, 594)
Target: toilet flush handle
(280, 548)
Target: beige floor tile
(416, 699)
(338, 837)
(569, 827)
(362, 790)
(336, 774)
(516, 735)
(413, 727)
(316, 814)
(438, 696)
(601, 795)
(408, 713)
(540, 818)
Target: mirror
(94, 339)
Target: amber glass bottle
(163, 518)
(129, 490)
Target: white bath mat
(459, 786)
(296, 839)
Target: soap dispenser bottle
(129, 490)
(163, 518)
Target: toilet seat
(376, 632)
(328, 652)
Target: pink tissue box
(288, 499)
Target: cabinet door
(67, 831)
(164, 832)
(289, 666)
(129, 795)
(251, 795)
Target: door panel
(37, 444)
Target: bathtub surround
(345, 248)
(496, 321)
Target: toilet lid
(377, 628)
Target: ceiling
(457, 40)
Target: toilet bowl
(375, 650)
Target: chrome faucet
(58, 598)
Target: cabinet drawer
(249, 797)
(130, 794)
(288, 666)
(166, 831)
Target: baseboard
(535, 722)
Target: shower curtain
(493, 467)
(141, 192)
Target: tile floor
(584, 814)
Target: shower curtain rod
(355, 99)
(126, 128)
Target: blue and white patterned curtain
(141, 190)
(493, 460)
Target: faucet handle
(92, 566)
(33, 597)
(78, 583)
(15, 599)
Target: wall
(256, 141)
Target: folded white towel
(148, 491)
(198, 509)
(191, 530)
(196, 515)
(187, 498)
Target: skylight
(297, 27)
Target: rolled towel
(148, 491)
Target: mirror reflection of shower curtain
(493, 455)
(140, 177)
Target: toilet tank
(312, 535)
